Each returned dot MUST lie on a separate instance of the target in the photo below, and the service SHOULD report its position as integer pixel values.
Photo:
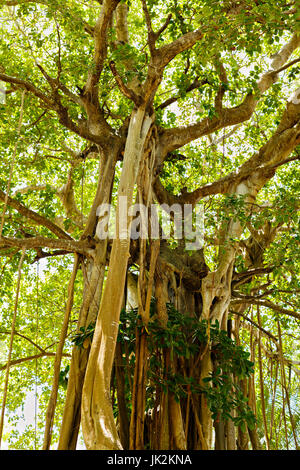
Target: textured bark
(72, 410)
(220, 438)
(183, 280)
(93, 280)
(123, 415)
(98, 424)
(230, 436)
(176, 424)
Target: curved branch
(193, 86)
(261, 166)
(24, 337)
(166, 53)
(25, 85)
(30, 358)
(130, 94)
(172, 139)
(37, 218)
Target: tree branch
(24, 337)
(267, 333)
(130, 94)
(38, 219)
(262, 166)
(268, 304)
(193, 86)
(55, 85)
(172, 139)
(152, 35)
(72, 246)
(100, 40)
(25, 85)
(166, 53)
(30, 358)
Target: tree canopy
(145, 344)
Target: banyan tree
(146, 117)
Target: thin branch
(246, 276)
(164, 26)
(42, 254)
(24, 337)
(151, 36)
(130, 94)
(55, 85)
(25, 85)
(11, 344)
(37, 218)
(252, 322)
(59, 65)
(268, 304)
(193, 86)
(81, 129)
(172, 139)
(32, 124)
(289, 64)
(15, 362)
(72, 246)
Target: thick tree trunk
(98, 425)
(176, 424)
(123, 416)
(93, 282)
(220, 438)
(72, 414)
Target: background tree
(172, 102)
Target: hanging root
(58, 357)
(11, 345)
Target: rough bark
(98, 424)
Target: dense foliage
(222, 110)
